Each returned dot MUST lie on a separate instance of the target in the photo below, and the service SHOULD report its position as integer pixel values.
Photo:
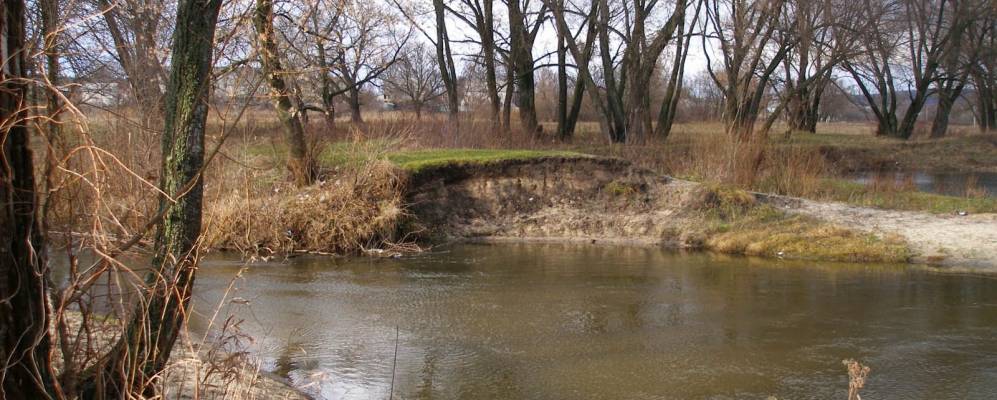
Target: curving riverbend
(559, 321)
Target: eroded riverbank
(606, 200)
(579, 198)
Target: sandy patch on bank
(969, 242)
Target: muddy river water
(542, 321)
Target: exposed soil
(586, 199)
(607, 200)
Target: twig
(394, 363)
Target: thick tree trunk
(947, 95)
(145, 348)
(906, 127)
(576, 108)
(521, 57)
(24, 312)
(328, 90)
(329, 113)
(355, 114)
(988, 110)
(986, 102)
(941, 122)
(887, 126)
(298, 162)
(638, 109)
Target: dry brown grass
(352, 206)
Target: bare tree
(583, 56)
(746, 34)
(822, 31)
(299, 163)
(366, 42)
(415, 78)
(139, 37)
(673, 89)
(143, 351)
(963, 53)
(928, 29)
(445, 62)
(984, 77)
(480, 17)
(522, 35)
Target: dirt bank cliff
(604, 200)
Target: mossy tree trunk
(298, 162)
(24, 312)
(145, 347)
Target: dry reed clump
(793, 170)
(857, 376)
(752, 164)
(350, 209)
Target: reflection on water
(590, 322)
(947, 183)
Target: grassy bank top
(416, 160)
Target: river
(543, 321)
(947, 183)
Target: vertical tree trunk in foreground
(145, 348)
(24, 339)
(298, 162)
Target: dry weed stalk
(857, 375)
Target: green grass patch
(415, 160)
(911, 200)
(734, 223)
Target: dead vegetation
(346, 210)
